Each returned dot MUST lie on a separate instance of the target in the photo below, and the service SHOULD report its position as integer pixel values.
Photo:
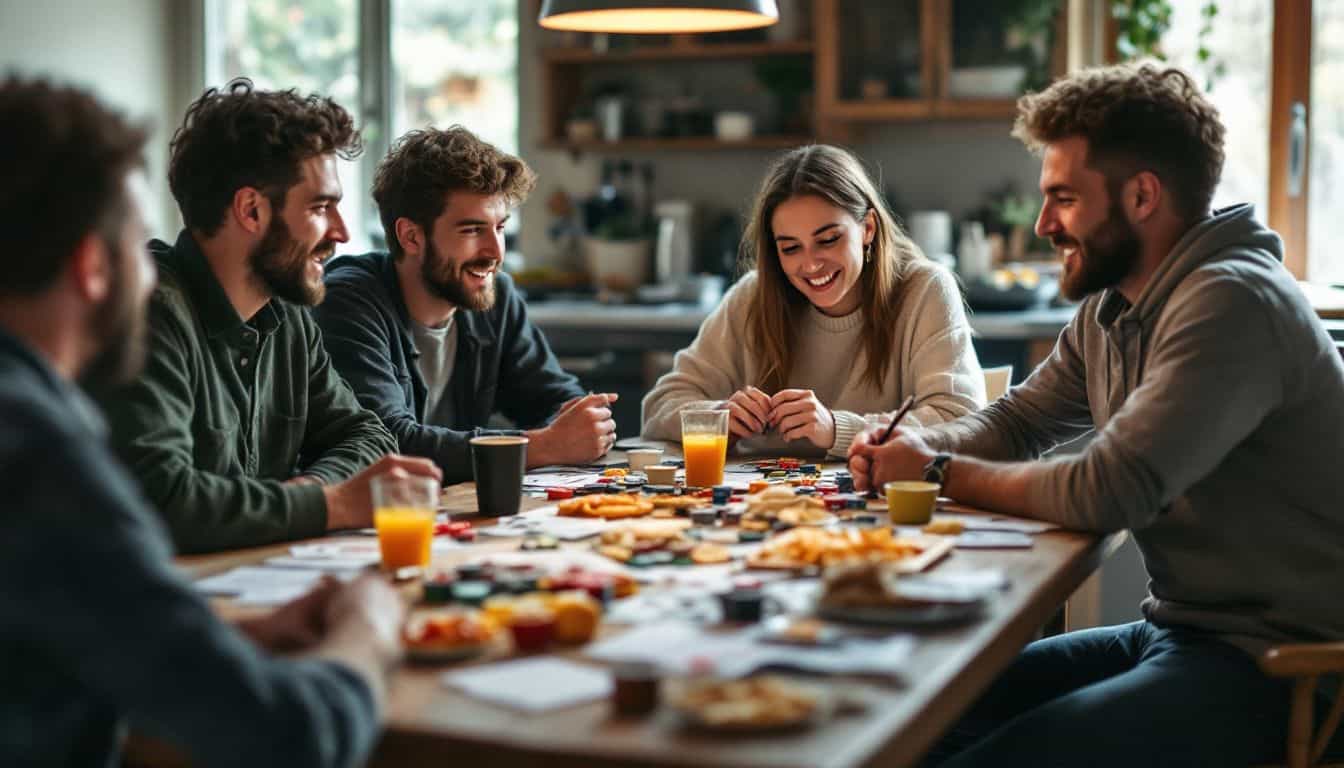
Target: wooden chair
(997, 381)
(1306, 663)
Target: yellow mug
(911, 502)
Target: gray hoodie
(1218, 405)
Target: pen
(900, 414)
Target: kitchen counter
(566, 316)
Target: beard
(120, 328)
(448, 282)
(1105, 257)
(281, 263)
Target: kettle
(673, 255)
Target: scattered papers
(679, 648)
(545, 520)
(262, 585)
(560, 477)
(996, 522)
(993, 540)
(552, 560)
(533, 685)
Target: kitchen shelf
(691, 142)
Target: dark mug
(498, 462)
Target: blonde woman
(839, 319)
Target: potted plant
(619, 252)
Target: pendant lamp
(657, 16)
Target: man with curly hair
(240, 430)
(1216, 401)
(432, 336)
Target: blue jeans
(1132, 695)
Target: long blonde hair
(837, 177)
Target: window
(1240, 40)
(456, 63)
(1282, 99)
(1325, 185)
(446, 62)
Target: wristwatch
(936, 471)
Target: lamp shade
(657, 16)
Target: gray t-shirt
(438, 352)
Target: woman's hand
(748, 413)
(798, 415)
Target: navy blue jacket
(97, 626)
(503, 362)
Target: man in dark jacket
(96, 625)
(240, 430)
(431, 336)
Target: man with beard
(240, 430)
(96, 625)
(1216, 401)
(432, 336)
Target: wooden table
(430, 724)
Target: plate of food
(875, 594)
(450, 636)
(806, 549)
(781, 503)
(756, 704)
(658, 542)
(607, 506)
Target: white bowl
(985, 82)
(733, 126)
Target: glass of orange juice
(403, 515)
(704, 446)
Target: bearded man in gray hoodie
(1216, 399)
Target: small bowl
(911, 502)
(640, 458)
(661, 474)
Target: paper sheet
(262, 585)
(678, 646)
(533, 685)
(560, 478)
(997, 523)
(545, 520)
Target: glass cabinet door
(999, 49)
(874, 57)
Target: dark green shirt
(228, 409)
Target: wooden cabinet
(893, 60)
(865, 61)
(574, 77)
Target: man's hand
(364, 620)
(748, 413)
(350, 504)
(797, 414)
(582, 431)
(902, 457)
(374, 607)
(296, 625)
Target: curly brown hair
(1134, 118)
(238, 136)
(65, 157)
(424, 166)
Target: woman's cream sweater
(932, 359)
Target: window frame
(377, 86)
(1290, 84)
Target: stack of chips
(722, 494)
(845, 482)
